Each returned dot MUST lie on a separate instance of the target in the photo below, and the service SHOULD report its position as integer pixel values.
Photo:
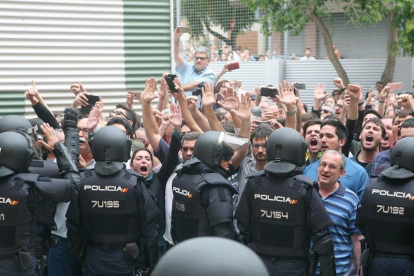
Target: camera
(197, 91)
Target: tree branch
(329, 48)
(216, 34)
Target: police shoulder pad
(213, 179)
(129, 173)
(28, 177)
(255, 174)
(302, 179)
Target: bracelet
(293, 112)
(381, 101)
(361, 103)
(342, 90)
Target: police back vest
(45, 168)
(109, 207)
(278, 215)
(16, 220)
(189, 217)
(386, 216)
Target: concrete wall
(404, 72)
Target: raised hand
(31, 96)
(165, 120)
(371, 95)
(244, 112)
(163, 88)
(50, 136)
(354, 91)
(320, 92)
(94, 116)
(150, 86)
(392, 100)
(209, 98)
(338, 83)
(177, 35)
(181, 94)
(287, 95)
(405, 101)
(77, 88)
(130, 99)
(80, 99)
(176, 119)
(275, 123)
(385, 92)
(229, 100)
(158, 116)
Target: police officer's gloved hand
(70, 118)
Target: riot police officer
(385, 216)
(113, 210)
(202, 204)
(280, 211)
(45, 168)
(21, 193)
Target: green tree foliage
(200, 13)
(399, 15)
(293, 15)
(281, 15)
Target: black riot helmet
(401, 163)
(12, 122)
(16, 153)
(285, 150)
(110, 148)
(210, 256)
(212, 146)
(22, 125)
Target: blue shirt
(341, 206)
(355, 178)
(381, 162)
(188, 74)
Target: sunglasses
(326, 111)
(227, 158)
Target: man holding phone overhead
(192, 74)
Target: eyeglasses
(331, 167)
(340, 106)
(257, 146)
(200, 58)
(118, 113)
(326, 111)
(84, 130)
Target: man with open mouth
(311, 131)
(333, 137)
(373, 131)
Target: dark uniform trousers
(386, 219)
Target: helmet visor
(231, 141)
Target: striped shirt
(342, 208)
